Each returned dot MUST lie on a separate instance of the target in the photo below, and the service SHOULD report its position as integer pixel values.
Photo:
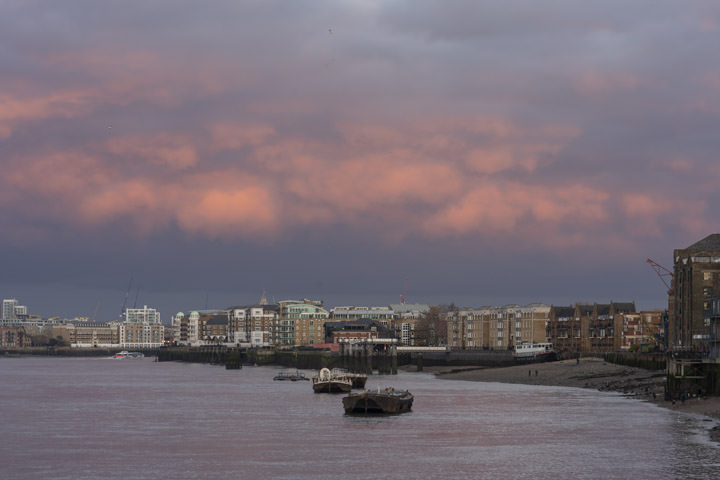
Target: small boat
(534, 353)
(388, 400)
(327, 382)
(358, 379)
(293, 377)
(126, 354)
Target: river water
(97, 418)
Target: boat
(378, 401)
(293, 377)
(327, 382)
(534, 352)
(126, 354)
(358, 379)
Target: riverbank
(593, 373)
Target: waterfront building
(355, 330)
(261, 319)
(180, 329)
(141, 329)
(693, 325)
(300, 323)
(212, 326)
(93, 335)
(240, 331)
(215, 329)
(253, 325)
(498, 327)
(589, 327)
(234, 326)
(383, 315)
(564, 328)
(186, 328)
(605, 327)
(14, 337)
(459, 323)
(193, 328)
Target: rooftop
(711, 242)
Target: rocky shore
(593, 373)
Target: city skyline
(488, 153)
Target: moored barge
(378, 401)
(328, 382)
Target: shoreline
(590, 373)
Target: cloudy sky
(490, 152)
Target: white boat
(534, 352)
(126, 354)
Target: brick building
(696, 282)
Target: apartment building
(300, 323)
(588, 327)
(641, 328)
(12, 312)
(498, 327)
(14, 337)
(383, 315)
(93, 335)
(141, 329)
(696, 282)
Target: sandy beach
(593, 373)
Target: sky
(183, 155)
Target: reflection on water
(73, 418)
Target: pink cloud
(233, 136)
(243, 211)
(608, 83)
(681, 165)
(15, 109)
(504, 206)
(436, 178)
(174, 151)
(649, 213)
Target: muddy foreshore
(593, 373)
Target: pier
(366, 355)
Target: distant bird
(330, 31)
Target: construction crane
(402, 295)
(666, 276)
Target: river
(97, 418)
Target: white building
(142, 315)
(8, 310)
(12, 312)
(141, 329)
